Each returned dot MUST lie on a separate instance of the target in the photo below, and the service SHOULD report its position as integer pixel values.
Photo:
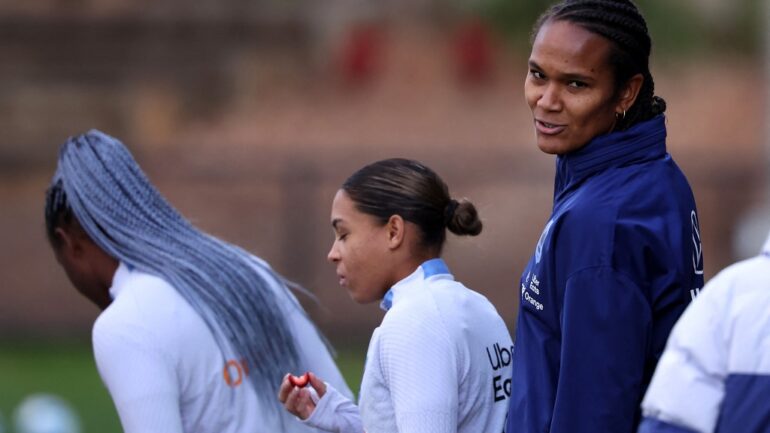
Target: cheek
(591, 111)
(355, 259)
(68, 266)
(531, 93)
(366, 265)
(78, 278)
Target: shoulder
(147, 311)
(142, 297)
(633, 203)
(659, 180)
(736, 300)
(415, 320)
(749, 276)
(741, 287)
(417, 308)
(437, 312)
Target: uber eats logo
(499, 358)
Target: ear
(68, 242)
(629, 93)
(395, 228)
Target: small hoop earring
(619, 116)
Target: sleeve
(688, 386)
(606, 324)
(140, 379)
(335, 413)
(418, 365)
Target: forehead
(568, 47)
(345, 213)
(343, 208)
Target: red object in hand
(300, 381)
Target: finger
(285, 389)
(305, 405)
(317, 384)
(291, 402)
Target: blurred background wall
(248, 115)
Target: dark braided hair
(620, 22)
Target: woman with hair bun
(620, 256)
(440, 359)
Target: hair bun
(449, 210)
(658, 105)
(463, 219)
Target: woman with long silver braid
(196, 333)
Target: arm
(606, 325)
(141, 381)
(321, 406)
(418, 365)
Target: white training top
(166, 373)
(440, 362)
(715, 372)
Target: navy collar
(644, 141)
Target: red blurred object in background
(474, 56)
(361, 53)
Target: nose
(550, 99)
(334, 254)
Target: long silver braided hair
(239, 297)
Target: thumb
(317, 384)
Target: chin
(549, 148)
(557, 147)
(362, 298)
(357, 297)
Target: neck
(407, 266)
(109, 267)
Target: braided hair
(100, 184)
(620, 22)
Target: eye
(577, 84)
(536, 74)
(341, 237)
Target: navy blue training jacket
(616, 265)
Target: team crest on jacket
(539, 249)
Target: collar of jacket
(430, 268)
(644, 141)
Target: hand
(298, 401)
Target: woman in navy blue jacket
(620, 257)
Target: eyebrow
(570, 76)
(336, 222)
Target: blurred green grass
(67, 369)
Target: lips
(342, 280)
(547, 128)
